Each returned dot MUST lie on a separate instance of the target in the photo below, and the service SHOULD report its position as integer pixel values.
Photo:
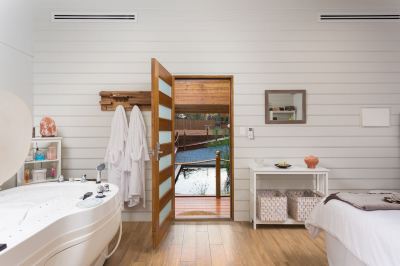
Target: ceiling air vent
(358, 17)
(94, 17)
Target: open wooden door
(163, 187)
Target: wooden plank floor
(219, 243)
(202, 207)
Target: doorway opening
(203, 147)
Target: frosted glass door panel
(165, 212)
(164, 162)
(164, 112)
(164, 137)
(164, 87)
(164, 187)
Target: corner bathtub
(43, 225)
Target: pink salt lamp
(48, 127)
(311, 161)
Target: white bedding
(372, 236)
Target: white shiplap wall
(265, 45)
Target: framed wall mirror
(285, 107)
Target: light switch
(250, 133)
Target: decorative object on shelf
(27, 175)
(311, 161)
(51, 153)
(283, 165)
(111, 99)
(48, 127)
(39, 175)
(53, 172)
(39, 155)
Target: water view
(202, 140)
(200, 181)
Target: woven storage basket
(301, 203)
(271, 206)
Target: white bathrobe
(115, 152)
(136, 153)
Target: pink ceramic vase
(48, 127)
(311, 161)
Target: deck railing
(217, 161)
(218, 173)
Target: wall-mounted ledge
(111, 99)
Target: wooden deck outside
(202, 207)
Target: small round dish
(286, 166)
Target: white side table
(320, 182)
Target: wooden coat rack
(111, 99)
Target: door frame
(231, 130)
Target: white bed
(355, 237)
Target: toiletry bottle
(26, 176)
(39, 155)
(53, 172)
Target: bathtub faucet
(100, 192)
(99, 168)
(83, 178)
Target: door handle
(157, 152)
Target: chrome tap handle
(100, 191)
(83, 178)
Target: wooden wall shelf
(111, 99)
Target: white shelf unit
(320, 183)
(291, 114)
(283, 112)
(43, 161)
(43, 144)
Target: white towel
(116, 146)
(136, 151)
